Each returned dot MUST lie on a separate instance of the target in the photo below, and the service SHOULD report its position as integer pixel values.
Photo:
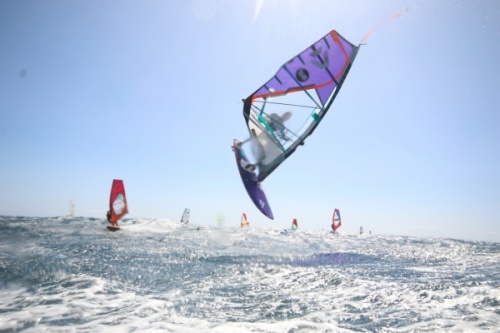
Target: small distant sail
(117, 203)
(71, 208)
(295, 225)
(336, 220)
(185, 216)
(244, 221)
(220, 219)
(361, 230)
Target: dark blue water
(72, 275)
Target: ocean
(66, 274)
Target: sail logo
(325, 62)
(302, 75)
(261, 204)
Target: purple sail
(286, 109)
(289, 106)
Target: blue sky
(150, 92)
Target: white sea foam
(159, 275)
(153, 226)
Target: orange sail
(244, 222)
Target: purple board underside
(252, 186)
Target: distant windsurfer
(108, 216)
(113, 224)
(244, 222)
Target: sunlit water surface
(72, 275)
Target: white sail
(185, 216)
(71, 208)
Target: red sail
(336, 220)
(117, 201)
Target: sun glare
(258, 7)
